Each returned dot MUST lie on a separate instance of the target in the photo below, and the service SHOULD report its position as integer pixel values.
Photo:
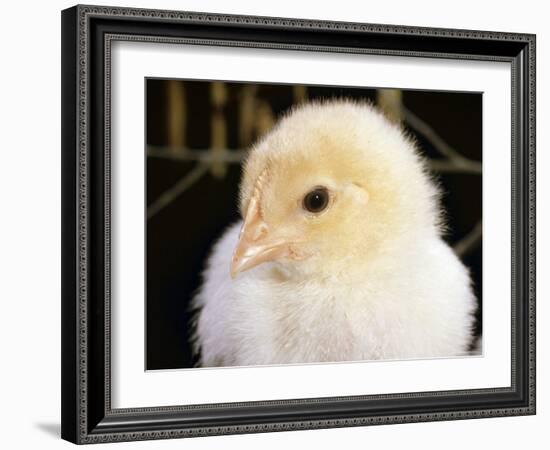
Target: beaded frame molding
(87, 34)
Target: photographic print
(295, 224)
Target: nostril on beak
(259, 232)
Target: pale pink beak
(257, 243)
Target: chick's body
(366, 277)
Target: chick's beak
(257, 243)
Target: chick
(339, 256)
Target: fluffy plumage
(369, 277)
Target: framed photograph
(280, 224)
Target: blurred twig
(180, 186)
(265, 119)
(449, 166)
(205, 156)
(390, 102)
(247, 115)
(470, 241)
(218, 137)
(454, 158)
(454, 162)
(177, 113)
(299, 93)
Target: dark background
(190, 120)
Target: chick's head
(331, 187)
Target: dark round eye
(316, 200)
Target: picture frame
(88, 33)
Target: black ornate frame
(87, 34)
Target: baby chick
(339, 256)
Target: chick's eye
(316, 200)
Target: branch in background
(299, 93)
(390, 102)
(470, 241)
(265, 119)
(218, 136)
(247, 106)
(205, 156)
(454, 163)
(177, 189)
(238, 156)
(460, 163)
(177, 116)
(447, 166)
